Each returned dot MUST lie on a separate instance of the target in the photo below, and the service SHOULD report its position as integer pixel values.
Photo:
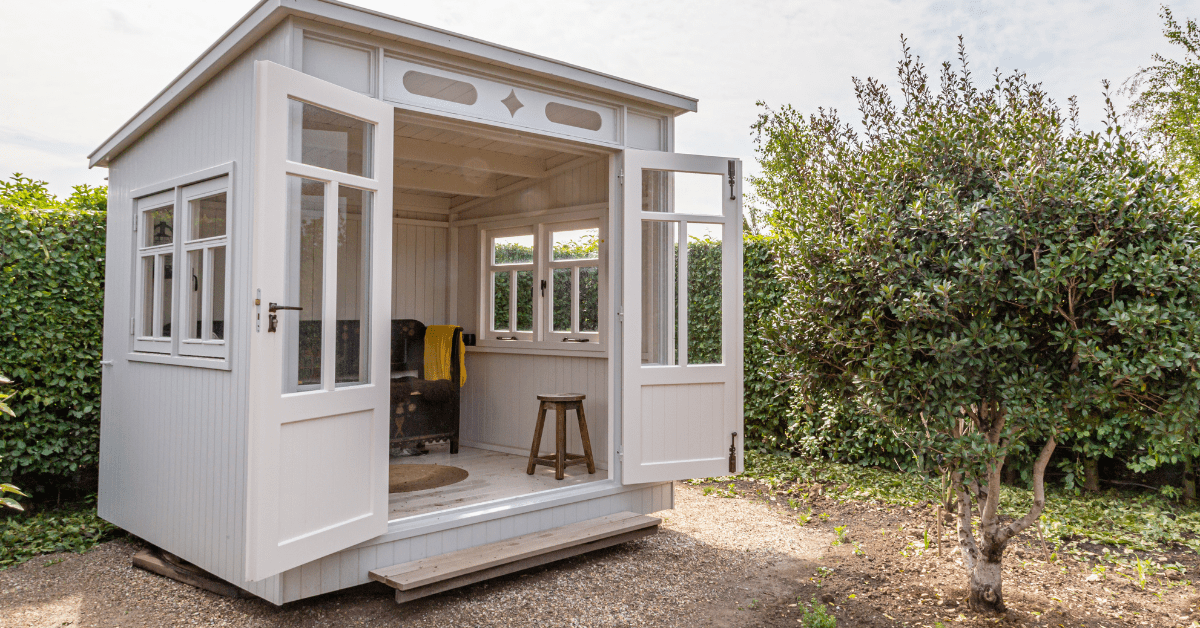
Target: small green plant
(753, 603)
(804, 518)
(708, 490)
(839, 533)
(1101, 571)
(817, 616)
(926, 538)
(823, 516)
(858, 550)
(793, 503)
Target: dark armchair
(423, 411)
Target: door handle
(272, 319)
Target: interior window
(543, 284)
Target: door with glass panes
(321, 282)
(681, 340)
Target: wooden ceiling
(445, 171)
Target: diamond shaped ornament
(512, 102)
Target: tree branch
(1039, 495)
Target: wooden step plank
(487, 556)
(524, 542)
(426, 571)
(520, 565)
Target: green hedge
(51, 309)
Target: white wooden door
(682, 317)
(318, 450)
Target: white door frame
(692, 436)
(317, 460)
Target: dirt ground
(720, 560)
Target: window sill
(219, 364)
(529, 348)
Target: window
(182, 270)
(543, 285)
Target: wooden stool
(560, 403)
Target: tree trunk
(1189, 480)
(1091, 475)
(986, 592)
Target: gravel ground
(715, 563)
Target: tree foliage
(51, 312)
(977, 274)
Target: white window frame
(173, 349)
(542, 337)
(203, 347)
(501, 338)
(574, 335)
(152, 343)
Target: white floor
(492, 475)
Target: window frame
(178, 192)
(203, 347)
(543, 337)
(563, 338)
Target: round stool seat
(561, 397)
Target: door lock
(733, 454)
(272, 319)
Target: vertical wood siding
(350, 567)
(173, 438)
(499, 403)
(419, 273)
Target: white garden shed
(323, 178)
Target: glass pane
(524, 300)
(660, 246)
(501, 295)
(304, 283)
(195, 299)
(577, 244)
(589, 298)
(353, 285)
(513, 250)
(704, 293)
(148, 279)
(208, 217)
(562, 299)
(683, 192)
(217, 253)
(165, 296)
(327, 139)
(159, 226)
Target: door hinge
(621, 314)
(620, 454)
(732, 177)
(733, 454)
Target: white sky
(72, 71)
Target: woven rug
(406, 478)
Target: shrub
(51, 312)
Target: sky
(73, 71)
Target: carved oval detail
(570, 115)
(440, 87)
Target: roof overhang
(267, 14)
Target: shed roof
(268, 13)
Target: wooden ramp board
(435, 574)
(175, 568)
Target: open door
(321, 278)
(681, 339)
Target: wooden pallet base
(171, 566)
(429, 576)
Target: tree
(1166, 102)
(983, 277)
(1166, 108)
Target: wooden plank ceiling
(444, 171)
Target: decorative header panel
(432, 88)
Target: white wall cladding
(419, 273)
(173, 438)
(499, 402)
(350, 567)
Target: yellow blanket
(437, 353)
